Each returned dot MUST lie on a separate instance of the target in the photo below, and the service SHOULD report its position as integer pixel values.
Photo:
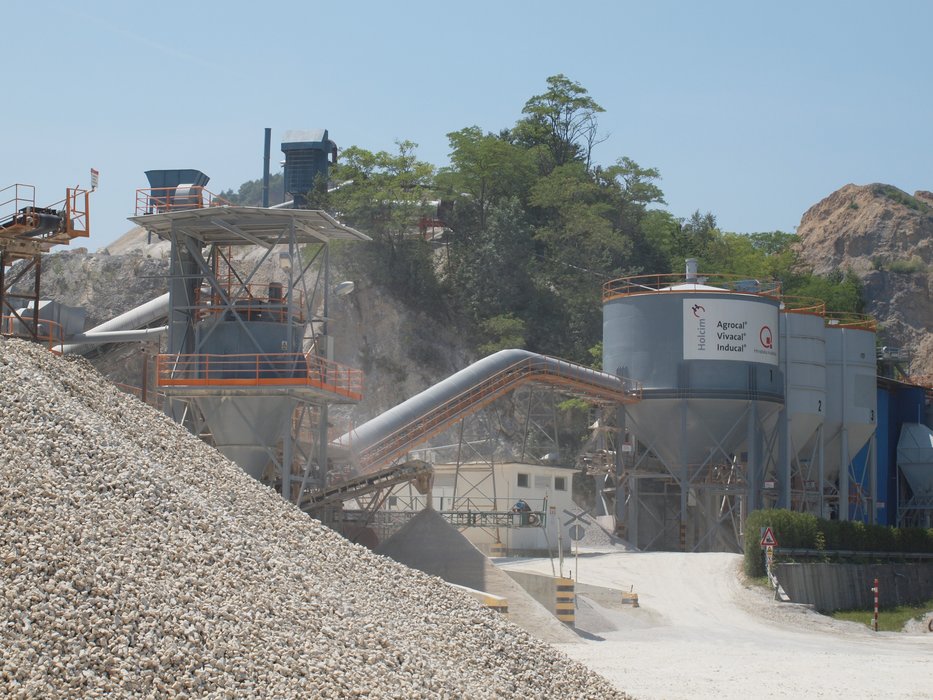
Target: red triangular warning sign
(768, 539)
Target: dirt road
(700, 633)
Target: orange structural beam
(529, 370)
(259, 370)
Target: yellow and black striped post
(564, 603)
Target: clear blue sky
(753, 111)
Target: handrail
(441, 417)
(50, 332)
(16, 199)
(803, 305)
(845, 319)
(712, 283)
(259, 369)
(248, 300)
(30, 230)
(159, 200)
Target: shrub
(792, 530)
(907, 267)
(805, 531)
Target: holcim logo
(764, 336)
(697, 309)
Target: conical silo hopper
(247, 429)
(915, 460)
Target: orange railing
(439, 418)
(75, 205)
(252, 302)
(844, 319)
(20, 215)
(16, 198)
(159, 200)
(49, 332)
(259, 370)
(803, 305)
(654, 284)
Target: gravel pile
(136, 561)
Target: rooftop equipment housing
(176, 189)
(308, 155)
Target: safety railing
(803, 305)
(159, 200)
(75, 205)
(252, 302)
(58, 223)
(14, 199)
(48, 333)
(713, 283)
(259, 370)
(547, 370)
(862, 322)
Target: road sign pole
(576, 565)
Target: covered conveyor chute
(127, 327)
(390, 435)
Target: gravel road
(701, 633)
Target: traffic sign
(579, 515)
(768, 539)
(577, 532)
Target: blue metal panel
(897, 404)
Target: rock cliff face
(885, 236)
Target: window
(560, 483)
(523, 481)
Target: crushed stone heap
(137, 561)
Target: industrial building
(718, 395)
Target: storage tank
(803, 361)
(851, 415)
(706, 352)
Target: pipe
(396, 418)
(134, 319)
(125, 336)
(691, 275)
(265, 168)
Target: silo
(803, 360)
(706, 352)
(851, 414)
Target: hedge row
(805, 531)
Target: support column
(786, 458)
(684, 474)
(37, 263)
(752, 466)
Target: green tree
(486, 168)
(564, 120)
(385, 195)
